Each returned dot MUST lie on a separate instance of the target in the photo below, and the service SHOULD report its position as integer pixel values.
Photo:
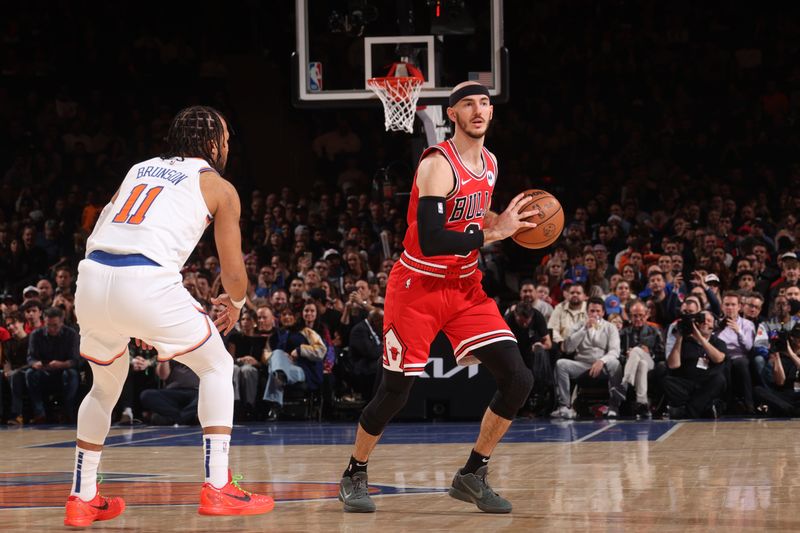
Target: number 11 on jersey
(124, 216)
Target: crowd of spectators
(668, 132)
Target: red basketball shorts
(418, 306)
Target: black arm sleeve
(434, 239)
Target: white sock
(84, 477)
(128, 411)
(215, 447)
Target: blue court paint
(302, 433)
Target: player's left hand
(227, 318)
(509, 221)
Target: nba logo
(315, 76)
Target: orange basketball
(550, 220)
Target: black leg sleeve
(514, 380)
(389, 399)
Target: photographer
(690, 306)
(696, 372)
(782, 395)
(738, 333)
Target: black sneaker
(643, 411)
(354, 493)
(473, 488)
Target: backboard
(342, 43)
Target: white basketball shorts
(115, 303)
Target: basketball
(550, 220)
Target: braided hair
(193, 132)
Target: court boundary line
(611, 424)
(664, 436)
(133, 444)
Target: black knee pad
(514, 379)
(391, 396)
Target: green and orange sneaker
(81, 514)
(232, 500)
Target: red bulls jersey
(465, 208)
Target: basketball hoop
(399, 92)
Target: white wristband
(240, 303)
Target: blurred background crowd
(668, 131)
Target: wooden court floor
(570, 476)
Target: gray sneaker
(473, 488)
(354, 493)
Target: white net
(399, 97)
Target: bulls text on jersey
(470, 207)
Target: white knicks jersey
(159, 212)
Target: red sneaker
(232, 500)
(81, 514)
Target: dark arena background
(668, 131)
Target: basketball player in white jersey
(129, 286)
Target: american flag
(484, 78)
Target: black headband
(467, 90)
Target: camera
(686, 320)
(778, 341)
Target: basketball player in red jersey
(436, 286)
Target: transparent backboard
(342, 43)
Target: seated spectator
(617, 320)
(666, 305)
(595, 343)
(65, 280)
(706, 292)
(752, 304)
(641, 347)
(15, 364)
(141, 377)
(292, 359)
(32, 310)
(528, 293)
(357, 306)
(31, 292)
(543, 296)
(246, 345)
(366, 354)
(713, 285)
(53, 358)
(176, 402)
(279, 300)
(613, 306)
(697, 375)
(568, 313)
(66, 302)
(790, 274)
(530, 329)
(313, 320)
(781, 395)
(622, 290)
(780, 321)
(738, 333)
(46, 292)
(596, 273)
